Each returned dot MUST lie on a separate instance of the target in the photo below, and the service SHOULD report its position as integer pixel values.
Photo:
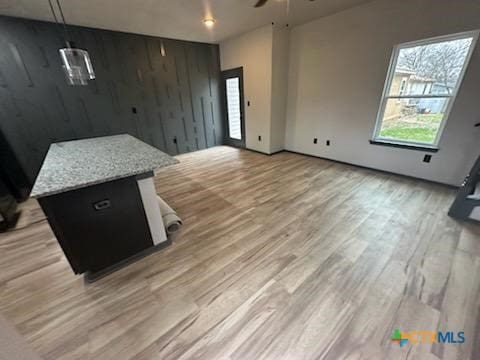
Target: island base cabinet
(100, 225)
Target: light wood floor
(281, 257)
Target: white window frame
(451, 98)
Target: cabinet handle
(102, 205)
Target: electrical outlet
(259, 138)
(315, 140)
(427, 158)
(328, 142)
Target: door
(232, 81)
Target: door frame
(227, 74)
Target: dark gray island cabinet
(100, 201)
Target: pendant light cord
(288, 11)
(54, 15)
(53, 12)
(63, 17)
(65, 29)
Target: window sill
(404, 146)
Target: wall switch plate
(315, 140)
(328, 142)
(259, 138)
(427, 158)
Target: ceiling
(178, 19)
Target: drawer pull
(102, 205)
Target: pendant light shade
(76, 62)
(77, 66)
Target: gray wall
(338, 67)
(176, 97)
(253, 52)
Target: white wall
(253, 52)
(338, 65)
(280, 57)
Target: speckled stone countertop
(76, 164)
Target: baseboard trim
(371, 168)
(264, 153)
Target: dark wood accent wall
(169, 99)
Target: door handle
(102, 205)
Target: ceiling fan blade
(260, 3)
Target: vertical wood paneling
(21, 64)
(3, 82)
(172, 85)
(43, 54)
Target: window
(422, 82)
(233, 108)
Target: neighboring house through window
(422, 82)
(403, 86)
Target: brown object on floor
(12, 345)
(280, 257)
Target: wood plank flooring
(280, 257)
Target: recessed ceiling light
(209, 22)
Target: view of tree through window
(421, 89)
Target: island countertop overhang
(76, 164)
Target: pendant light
(77, 66)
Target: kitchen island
(100, 201)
